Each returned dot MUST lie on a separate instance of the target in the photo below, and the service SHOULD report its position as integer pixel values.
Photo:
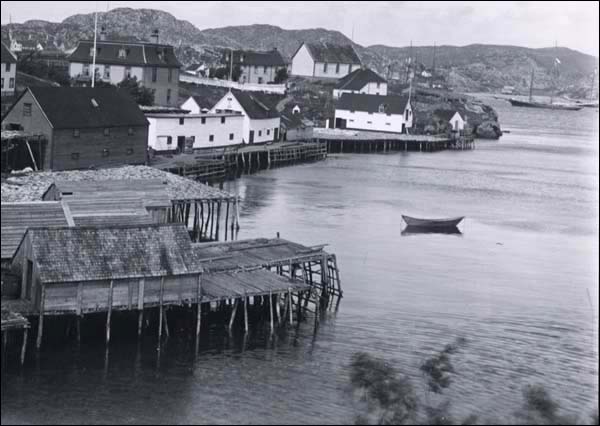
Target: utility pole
(95, 40)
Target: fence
(269, 88)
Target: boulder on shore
(488, 130)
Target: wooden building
(256, 67)
(154, 65)
(325, 60)
(362, 80)
(8, 71)
(85, 127)
(374, 112)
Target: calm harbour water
(520, 284)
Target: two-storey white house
(256, 67)
(9, 72)
(362, 80)
(169, 132)
(374, 112)
(154, 65)
(324, 60)
(261, 120)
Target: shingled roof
(16, 218)
(358, 79)
(250, 57)
(135, 54)
(257, 107)
(333, 53)
(6, 55)
(86, 107)
(120, 252)
(371, 103)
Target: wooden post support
(160, 310)
(109, 313)
(24, 347)
(166, 322)
(232, 319)
(278, 308)
(246, 300)
(141, 285)
(38, 344)
(291, 310)
(271, 311)
(199, 303)
(78, 328)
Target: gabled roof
(446, 114)
(194, 67)
(332, 53)
(372, 103)
(119, 252)
(256, 106)
(249, 57)
(16, 218)
(7, 56)
(358, 79)
(75, 107)
(136, 54)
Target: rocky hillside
(470, 68)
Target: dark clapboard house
(85, 127)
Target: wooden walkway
(367, 142)
(222, 163)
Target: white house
(173, 132)
(9, 71)
(453, 118)
(195, 105)
(154, 65)
(362, 80)
(256, 67)
(374, 112)
(261, 120)
(324, 60)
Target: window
(26, 110)
(107, 72)
(181, 121)
(325, 67)
(76, 133)
(122, 53)
(337, 68)
(8, 67)
(211, 138)
(351, 111)
(74, 156)
(370, 113)
(106, 131)
(154, 74)
(378, 84)
(105, 152)
(203, 120)
(86, 70)
(168, 96)
(406, 114)
(268, 132)
(369, 122)
(222, 120)
(130, 131)
(231, 136)
(129, 151)
(265, 70)
(170, 77)
(169, 140)
(260, 133)
(128, 72)
(388, 124)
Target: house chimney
(103, 33)
(154, 37)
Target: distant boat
(415, 222)
(543, 105)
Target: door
(340, 123)
(276, 133)
(403, 128)
(251, 136)
(180, 143)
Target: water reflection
(416, 230)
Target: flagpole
(95, 40)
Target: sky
(530, 24)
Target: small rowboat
(432, 223)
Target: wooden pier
(365, 142)
(74, 272)
(219, 164)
